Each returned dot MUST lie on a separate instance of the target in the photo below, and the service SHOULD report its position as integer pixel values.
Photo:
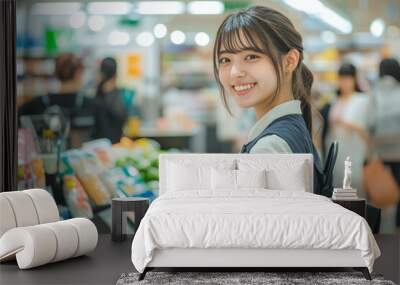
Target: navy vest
(293, 130)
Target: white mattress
(256, 218)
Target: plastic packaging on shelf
(126, 181)
(85, 167)
(38, 172)
(30, 164)
(125, 169)
(76, 198)
(111, 179)
(102, 149)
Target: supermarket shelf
(194, 140)
(152, 132)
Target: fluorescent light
(317, 9)
(160, 31)
(328, 37)
(61, 8)
(161, 7)
(333, 19)
(77, 20)
(109, 8)
(178, 37)
(377, 27)
(96, 23)
(202, 39)
(206, 7)
(145, 39)
(117, 38)
(309, 6)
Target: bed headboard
(214, 157)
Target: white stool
(31, 232)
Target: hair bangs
(238, 40)
(236, 35)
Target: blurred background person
(112, 113)
(346, 120)
(68, 70)
(385, 130)
(77, 108)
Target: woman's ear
(291, 60)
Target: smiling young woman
(258, 60)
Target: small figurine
(347, 174)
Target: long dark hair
(348, 69)
(276, 36)
(391, 67)
(108, 70)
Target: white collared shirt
(273, 143)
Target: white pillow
(227, 179)
(295, 180)
(223, 179)
(281, 174)
(193, 174)
(251, 178)
(181, 177)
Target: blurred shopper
(69, 101)
(68, 70)
(112, 112)
(346, 120)
(386, 130)
(258, 60)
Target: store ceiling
(360, 12)
(363, 12)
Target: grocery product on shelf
(99, 171)
(141, 155)
(124, 185)
(86, 168)
(126, 169)
(76, 197)
(30, 164)
(101, 148)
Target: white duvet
(253, 218)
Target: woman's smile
(243, 89)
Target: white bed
(251, 226)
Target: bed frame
(241, 259)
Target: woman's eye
(251, 57)
(223, 60)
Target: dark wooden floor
(110, 260)
(103, 266)
(389, 262)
